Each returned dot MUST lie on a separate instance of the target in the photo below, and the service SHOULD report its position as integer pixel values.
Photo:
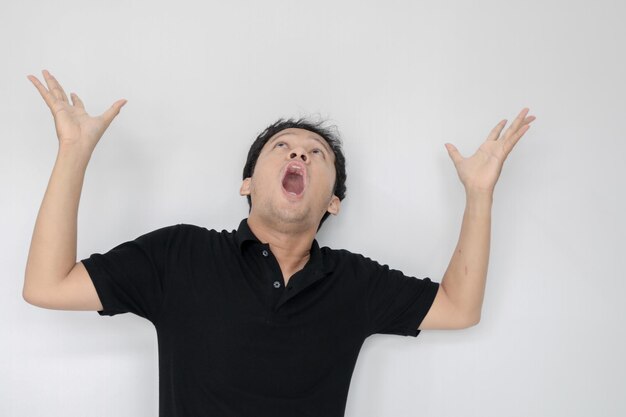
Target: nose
(298, 152)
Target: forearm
(464, 280)
(52, 251)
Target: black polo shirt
(232, 340)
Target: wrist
(479, 201)
(74, 148)
(479, 194)
(73, 153)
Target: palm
(73, 124)
(481, 171)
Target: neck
(290, 244)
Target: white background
(399, 79)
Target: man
(260, 321)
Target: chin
(291, 215)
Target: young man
(259, 321)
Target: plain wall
(399, 79)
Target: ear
(333, 206)
(245, 187)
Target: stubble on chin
(280, 216)
(284, 214)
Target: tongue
(293, 183)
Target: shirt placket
(273, 277)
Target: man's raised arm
(459, 301)
(53, 278)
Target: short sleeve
(130, 277)
(397, 303)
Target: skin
(73, 125)
(458, 303)
(480, 172)
(52, 255)
(287, 224)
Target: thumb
(454, 153)
(113, 111)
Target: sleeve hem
(96, 277)
(426, 301)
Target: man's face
(293, 179)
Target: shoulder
(346, 258)
(192, 229)
(345, 254)
(202, 235)
(177, 234)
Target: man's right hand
(73, 125)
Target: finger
(113, 111)
(76, 101)
(54, 86)
(516, 123)
(47, 97)
(495, 132)
(454, 153)
(526, 122)
(511, 141)
(529, 119)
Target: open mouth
(293, 180)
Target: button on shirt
(232, 340)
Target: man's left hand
(480, 172)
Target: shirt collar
(244, 235)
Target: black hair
(331, 136)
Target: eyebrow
(323, 142)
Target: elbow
(471, 320)
(27, 290)
(28, 298)
(475, 320)
(473, 323)
(25, 296)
